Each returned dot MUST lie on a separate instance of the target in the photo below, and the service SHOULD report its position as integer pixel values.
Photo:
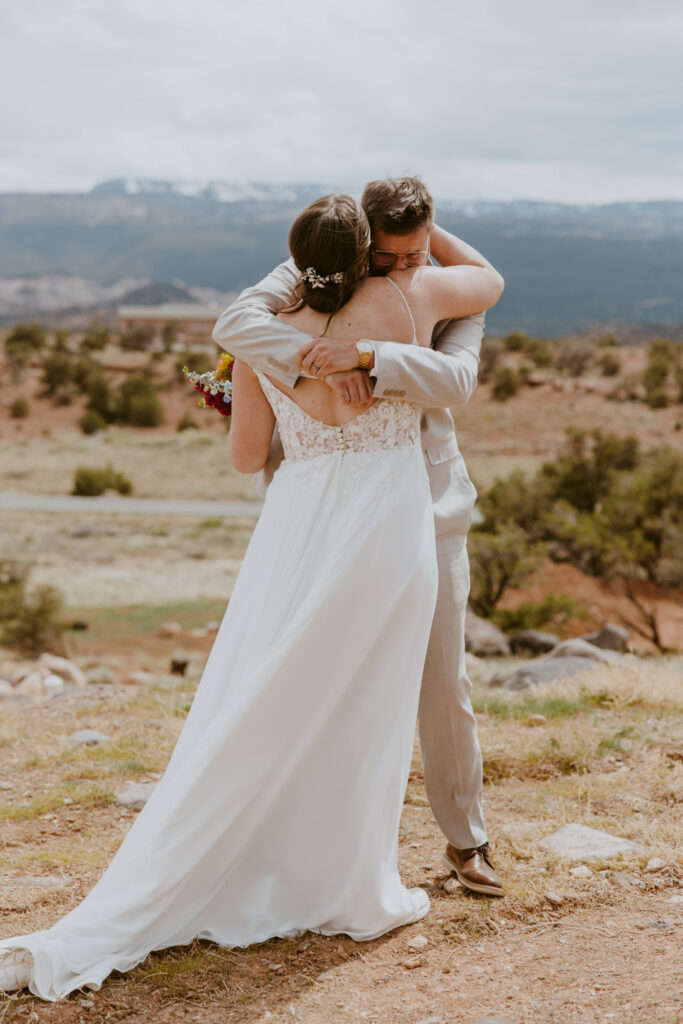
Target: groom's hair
(397, 205)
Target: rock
(482, 637)
(610, 637)
(532, 641)
(198, 634)
(678, 898)
(79, 624)
(537, 719)
(68, 671)
(580, 842)
(140, 677)
(655, 864)
(88, 737)
(452, 885)
(212, 626)
(169, 629)
(53, 684)
(582, 871)
(180, 659)
(136, 794)
(553, 898)
(543, 670)
(6, 689)
(415, 961)
(476, 669)
(419, 942)
(42, 881)
(581, 649)
(100, 674)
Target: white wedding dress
(279, 809)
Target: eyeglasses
(387, 257)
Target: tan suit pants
(451, 754)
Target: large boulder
(483, 638)
(610, 638)
(542, 670)
(533, 641)
(63, 667)
(577, 648)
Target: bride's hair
(330, 240)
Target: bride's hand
(352, 386)
(324, 356)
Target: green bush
(28, 620)
(491, 349)
(657, 398)
(91, 421)
(100, 397)
(497, 561)
(515, 341)
(32, 334)
(540, 352)
(608, 340)
(91, 482)
(554, 610)
(574, 356)
(609, 364)
(505, 383)
(139, 403)
(61, 342)
(57, 372)
(187, 423)
(96, 336)
(19, 408)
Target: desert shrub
(679, 382)
(29, 620)
(186, 422)
(137, 339)
(19, 408)
(505, 383)
(540, 352)
(516, 500)
(609, 364)
(491, 349)
(61, 340)
(607, 340)
(657, 398)
(96, 336)
(32, 334)
(57, 372)
(553, 610)
(497, 561)
(91, 482)
(169, 334)
(524, 372)
(100, 397)
(138, 402)
(91, 421)
(83, 370)
(574, 356)
(515, 341)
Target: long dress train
(279, 808)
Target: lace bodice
(386, 424)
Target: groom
(401, 216)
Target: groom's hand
(354, 387)
(324, 356)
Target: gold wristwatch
(365, 350)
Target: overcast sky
(489, 99)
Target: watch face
(364, 346)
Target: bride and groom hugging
(436, 377)
(279, 809)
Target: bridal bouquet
(215, 386)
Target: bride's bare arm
(252, 422)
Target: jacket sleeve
(439, 377)
(249, 329)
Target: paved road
(130, 506)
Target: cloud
(488, 100)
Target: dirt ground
(557, 947)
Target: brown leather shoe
(473, 869)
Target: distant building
(192, 319)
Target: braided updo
(332, 235)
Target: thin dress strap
(407, 305)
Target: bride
(280, 806)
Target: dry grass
(606, 756)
